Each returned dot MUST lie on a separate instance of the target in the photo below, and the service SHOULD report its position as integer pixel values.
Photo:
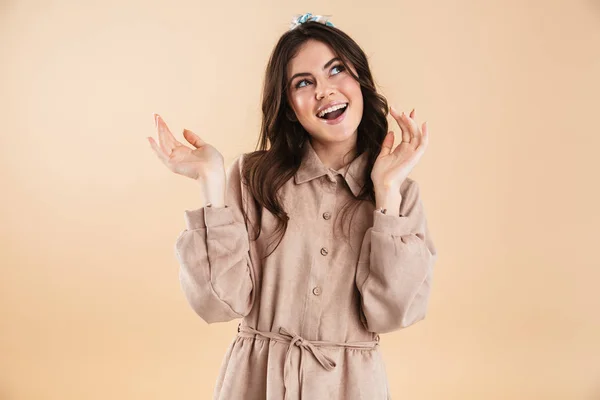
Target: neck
(337, 154)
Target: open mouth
(339, 110)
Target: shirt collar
(311, 167)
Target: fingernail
(155, 116)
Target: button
(317, 291)
(326, 215)
(324, 251)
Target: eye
(340, 67)
(299, 82)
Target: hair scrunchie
(298, 20)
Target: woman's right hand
(200, 163)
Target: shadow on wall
(5, 395)
(596, 394)
(6, 5)
(595, 8)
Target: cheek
(301, 103)
(353, 89)
(351, 86)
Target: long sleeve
(216, 273)
(396, 265)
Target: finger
(413, 128)
(386, 146)
(413, 117)
(194, 139)
(157, 150)
(425, 136)
(405, 137)
(420, 149)
(165, 138)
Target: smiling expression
(318, 80)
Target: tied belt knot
(299, 341)
(285, 336)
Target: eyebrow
(307, 74)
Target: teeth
(330, 109)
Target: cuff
(391, 224)
(204, 217)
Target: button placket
(321, 267)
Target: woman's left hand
(392, 167)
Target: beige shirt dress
(311, 313)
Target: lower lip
(338, 119)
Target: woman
(354, 256)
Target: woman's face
(317, 79)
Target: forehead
(311, 56)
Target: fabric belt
(312, 346)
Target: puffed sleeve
(216, 273)
(395, 266)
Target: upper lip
(326, 106)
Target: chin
(341, 132)
(339, 136)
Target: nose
(325, 89)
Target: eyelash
(339, 66)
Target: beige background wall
(90, 304)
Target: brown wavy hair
(266, 170)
